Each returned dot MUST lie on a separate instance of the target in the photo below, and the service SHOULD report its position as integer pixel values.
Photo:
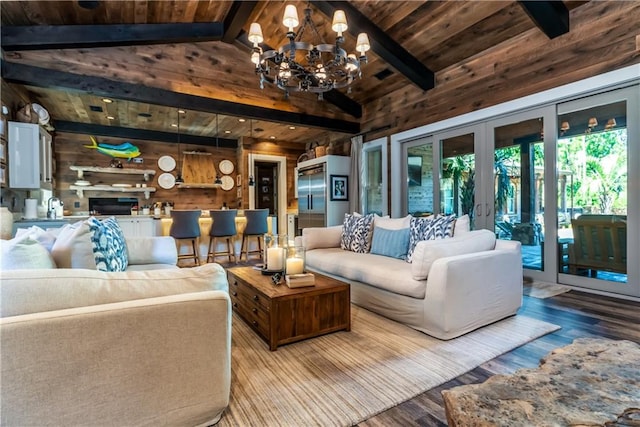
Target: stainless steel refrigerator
(312, 197)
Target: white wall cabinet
(30, 156)
(138, 227)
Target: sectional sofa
(451, 286)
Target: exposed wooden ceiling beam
(334, 96)
(54, 79)
(142, 134)
(238, 15)
(552, 17)
(383, 45)
(31, 37)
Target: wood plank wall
(603, 38)
(69, 151)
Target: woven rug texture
(344, 378)
(543, 290)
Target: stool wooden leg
(212, 241)
(196, 258)
(243, 248)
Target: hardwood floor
(580, 315)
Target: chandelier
(303, 66)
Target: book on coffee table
(300, 280)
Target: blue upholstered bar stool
(223, 226)
(185, 226)
(256, 227)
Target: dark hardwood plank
(580, 315)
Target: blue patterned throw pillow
(356, 233)
(429, 228)
(109, 247)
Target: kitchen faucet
(51, 207)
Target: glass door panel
(518, 164)
(457, 183)
(373, 182)
(592, 155)
(421, 186)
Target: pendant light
(218, 180)
(179, 179)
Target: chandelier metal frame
(301, 66)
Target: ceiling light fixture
(218, 180)
(305, 66)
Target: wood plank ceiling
(205, 69)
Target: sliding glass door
(374, 177)
(597, 229)
(420, 195)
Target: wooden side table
(281, 315)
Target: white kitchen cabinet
(30, 156)
(138, 227)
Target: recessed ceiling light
(174, 125)
(292, 127)
(181, 111)
(272, 137)
(242, 120)
(110, 117)
(107, 100)
(227, 131)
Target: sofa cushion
(109, 246)
(393, 243)
(428, 251)
(462, 225)
(156, 250)
(33, 291)
(322, 237)
(45, 237)
(356, 233)
(391, 274)
(429, 228)
(23, 253)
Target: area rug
(346, 377)
(543, 290)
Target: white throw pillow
(392, 223)
(73, 247)
(45, 238)
(428, 251)
(25, 253)
(321, 237)
(462, 225)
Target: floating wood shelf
(185, 185)
(81, 189)
(122, 171)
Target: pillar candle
(275, 259)
(295, 266)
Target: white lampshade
(255, 34)
(362, 44)
(339, 23)
(290, 18)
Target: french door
(598, 158)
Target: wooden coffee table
(281, 315)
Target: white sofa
(84, 347)
(451, 287)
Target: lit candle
(295, 266)
(274, 259)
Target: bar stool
(185, 226)
(256, 227)
(223, 225)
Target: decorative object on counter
(166, 163)
(146, 210)
(6, 223)
(166, 181)
(126, 150)
(295, 260)
(167, 208)
(226, 167)
(275, 252)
